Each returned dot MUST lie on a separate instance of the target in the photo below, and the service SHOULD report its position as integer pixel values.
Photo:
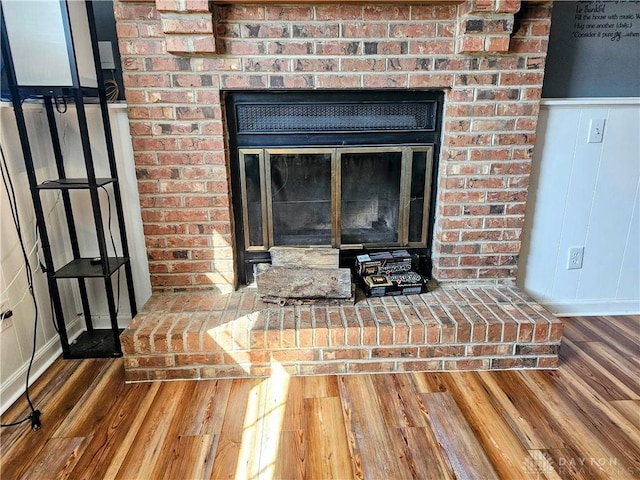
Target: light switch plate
(596, 130)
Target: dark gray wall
(594, 50)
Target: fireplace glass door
(341, 197)
(370, 193)
(299, 197)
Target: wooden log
(312, 257)
(317, 302)
(289, 282)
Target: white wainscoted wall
(585, 194)
(16, 336)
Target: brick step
(199, 335)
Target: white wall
(585, 194)
(16, 336)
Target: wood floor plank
(418, 453)
(542, 465)
(629, 324)
(573, 327)
(217, 393)
(421, 383)
(461, 447)
(290, 463)
(111, 439)
(502, 446)
(401, 403)
(618, 327)
(191, 457)
(614, 429)
(90, 409)
(526, 431)
(238, 431)
(574, 420)
(604, 332)
(293, 419)
(366, 428)
(250, 451)
(207, 418)
(58, 455)
(403, 410)
(327, 449)
(281, 403)
(170, 441)
(431, 382)
(581, 421)
(321, 386)
(630, 409)
(144, 452)
(545, 432)
(42, 392)
(64, 399)
(588, 366)
(619, 369)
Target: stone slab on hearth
(198, 335)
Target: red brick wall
(177, 123)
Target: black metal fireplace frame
(424, 130)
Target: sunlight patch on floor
(263, 423)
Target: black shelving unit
(92, 342)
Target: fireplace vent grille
(343, 117)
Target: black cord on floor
(34, 416)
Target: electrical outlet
(574, 261)
(596, 130)
(4, 307)
(6, 324)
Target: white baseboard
(104, 321)
(592, 308)
(13, 388)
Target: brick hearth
(206, 335)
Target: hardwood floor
(580, 421)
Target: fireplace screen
(340, 197)
(346, 169)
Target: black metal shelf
(96, 343)
(74, 183)
(85, 268)
(89, 94)
(93, 342)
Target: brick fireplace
(178, 56)
(485, 57)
